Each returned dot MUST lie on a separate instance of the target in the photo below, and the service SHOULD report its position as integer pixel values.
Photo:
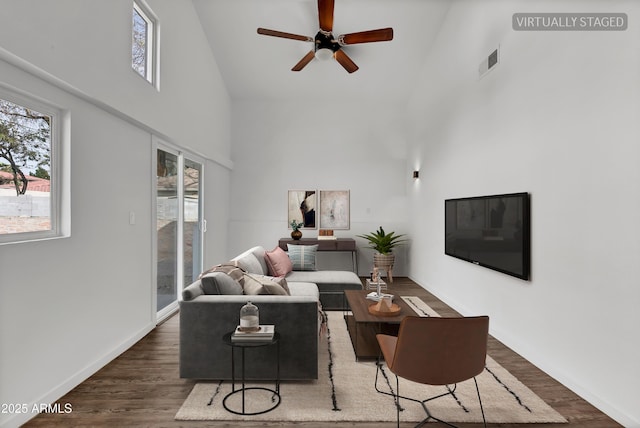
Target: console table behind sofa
(331, 284)
(339, 244)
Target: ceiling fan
(326, 46)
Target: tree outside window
(142, 42)
(139, 44)
(25, 169)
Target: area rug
(345, 392)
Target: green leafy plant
(295, 225)
(382, 242)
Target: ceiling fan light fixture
(324, 54)
(326, 46)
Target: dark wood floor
(141, 388)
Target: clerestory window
(144, 42)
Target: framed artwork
(302, 208)
(334, 209)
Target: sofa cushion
(260, 284)
(249, 263)
(304, 289)
(303, 257)
(220, 283)
(327, 279)
(280, 280)
(278, 261)
(259, 252)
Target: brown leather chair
(435, 351)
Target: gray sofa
(209, 311)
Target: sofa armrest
(192, 291)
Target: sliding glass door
(167, 228)
(179, 221)
(192, 222)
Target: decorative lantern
(249, 317)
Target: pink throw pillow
(278, 262)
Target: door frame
(160, 144)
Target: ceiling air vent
(488, 63)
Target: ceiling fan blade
(345, 61)
(274, 33)
(304, 61)
(381, 35)
(325, 15)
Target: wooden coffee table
(364, 326)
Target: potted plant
(296, 234)
(383, 243)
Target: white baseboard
(59, 391)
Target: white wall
(87, 44)
(296, 145)
(558, 118)
(68, 306)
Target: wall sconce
(416, 175)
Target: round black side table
(243, 345)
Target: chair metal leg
(398, 402)
(396, 396)
(480, 400)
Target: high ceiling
(259, 67)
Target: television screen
(490, 231)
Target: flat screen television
(490, 231)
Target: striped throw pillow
(303, 257)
